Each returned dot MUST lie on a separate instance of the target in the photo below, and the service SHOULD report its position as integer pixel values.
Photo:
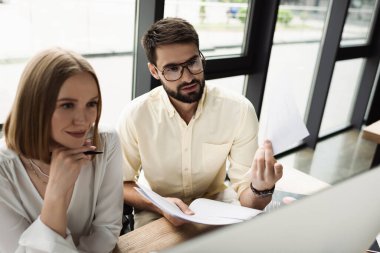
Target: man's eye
(174, 68)
(191, 63)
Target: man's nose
(187, 75)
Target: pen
(92, 152)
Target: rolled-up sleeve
(243, 148)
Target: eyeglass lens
(175, 72)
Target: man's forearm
(248, 199)
(133, 198)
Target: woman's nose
(80, 117)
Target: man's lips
(190, 87)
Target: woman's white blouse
(94, 213)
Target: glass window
(358, 22)
(234, 83)
(221, 24)
(102, 30)
(341, 97)
(295, 48)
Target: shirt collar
(170, 108)
(201, 104)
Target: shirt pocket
(214, 156)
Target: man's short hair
(27, 129)
(168, 31)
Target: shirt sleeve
(129, 143)
(106, 226)
(17, 234)
(243, 149)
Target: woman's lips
(77, 134)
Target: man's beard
(191, 97)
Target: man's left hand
(266, 171)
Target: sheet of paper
(213, 208)
(281, 122)
(203, 209)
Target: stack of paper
(206, 211)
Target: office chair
(128, 221)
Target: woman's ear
(153, 71)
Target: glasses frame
(184, 65)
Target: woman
(53, 196)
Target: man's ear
(153, 71)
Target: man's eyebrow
(175, 64)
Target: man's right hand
(184, 208)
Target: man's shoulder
(142, 103)
(227, 95)
(146, 98)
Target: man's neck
(185, 110)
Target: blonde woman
(54, 196)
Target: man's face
(189, 87)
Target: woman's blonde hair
(27, 129)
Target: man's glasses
(174, 72)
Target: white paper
(378, 239)
(206, 211)
(281, 122)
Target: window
(358, 22)
(342, 93)
(221, 25)
(234, 83)
(100, 30)
(295, 49)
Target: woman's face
(75, 110)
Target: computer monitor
(342, 218)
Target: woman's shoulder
(108, 136)
(8, 158)
(106, 132)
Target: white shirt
(94, 213)
(188, 161)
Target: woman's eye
(93, 104)
(67, 105)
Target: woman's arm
(106, 226)
(18, 234)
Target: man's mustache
(187, 84)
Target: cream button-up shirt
(188, 161)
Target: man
(181, 133)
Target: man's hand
(184, 208)
(266, 171)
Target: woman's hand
(65, 167)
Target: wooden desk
(372, 133)
(160, 234)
